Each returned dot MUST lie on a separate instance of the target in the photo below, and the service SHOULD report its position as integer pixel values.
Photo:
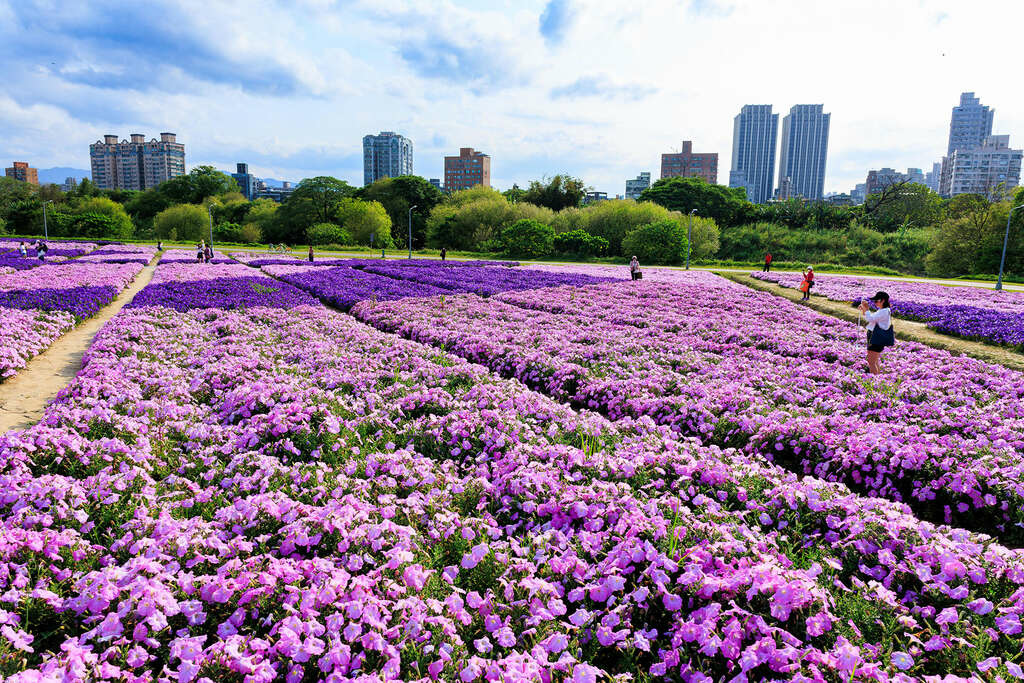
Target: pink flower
(672, 602)
(947, 616)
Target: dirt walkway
(907, 329)
(24, 396)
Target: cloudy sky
(594, 88)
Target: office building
(754, 133)
(136, 164)
(20, 170)
(69, 185)
(970, 124)
(469, 169)
(689, 164)
(932, 177)
(982, 170)
(803, 150)
(878, 180)
(386, 155)
(593, 197)
(915, 175)
(436, 182)
(636, 186)
(859, 193)
(246, 181)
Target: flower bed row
(485, 281)
(343, 287)
(276, 493)
(39, 305)
(970, 312)
(733, 366)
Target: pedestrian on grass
(807, 283)
(311, 253)
(768, 262)
(634, 268)
(879, 329)
(444, 252)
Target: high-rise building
(970, 124)
(69, 185)
(246, 181)
(636, 186)
(859, 193)
(386, 155)
(20, 170)
(753, 151)
(689, 164)
(136, 164)
(982, 170)
(436, 182)
(932, 177)
(880, 179)
(803, 151)
(469, 169)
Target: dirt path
(24, 396)
(908, 329)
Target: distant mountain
(272, 182)
(59, 173)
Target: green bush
(662, 242)
(227, 232)
(184, 222)
(528, 238)
(580, 243)
(250, 233)
(327, 233)
(361, 219)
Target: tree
(396, 195)
(613, 219)
(560, 192)
(12, 191)
(726, 206)
(515, 195)
(186, 222)
(913, 205)
(362, 219)
(471, 218)
(580, 243)
(87, 188)
(119, 227)
(197, 185)
(659, 242)
(261, 213)
(528, 239)
(315, 200)
(328, 233)
(144, 206)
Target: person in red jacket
(768, 262)
(808, 282)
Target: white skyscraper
(970, 124)
(753, 151)
(386, 156)
(804, 149)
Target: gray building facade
(637, 185)
(804, 151)
(754, 134)
(970, 124)
(246, 181)
(136, 164)
(385, 156)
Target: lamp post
(46, 231)
(1006, 238)
(209, 210)
(410, 229)
(689, 236)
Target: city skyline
(540, 84)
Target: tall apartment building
(386, 155)
(20, 170)
(878, 180)
(136, 164)
(247, 183)
(981, 170)
(970, 123)
(690, 164)
(915, 175)
(859, 193)
(803, 151)
(754, 133)
(636, 186)
(932, 177)
(469, 169)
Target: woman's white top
(882, 317)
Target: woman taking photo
(880, 332)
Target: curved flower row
(738, 367)
(484, 281)
(277, 493)
(25, 334)
(343, 287)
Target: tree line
(905, 226)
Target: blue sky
(598, 89)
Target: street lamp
(209, 210)
(1006, 238)
(410, 229)
(689, 238)
(46, 231)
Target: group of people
(40, 246)
(204, 252)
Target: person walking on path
(444, 252)
(807, 283)
(768, 262)
(634, 268)
(311, 253)
(879, 329)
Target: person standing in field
(444, 252)
(199, 252)
(311, 253)
(634, 268)
(768, 262)
(880, 332)
(22, 250)
(807, 283)
(208, 253)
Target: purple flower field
(257, 490)
(976, 313)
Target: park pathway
(24, 396)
